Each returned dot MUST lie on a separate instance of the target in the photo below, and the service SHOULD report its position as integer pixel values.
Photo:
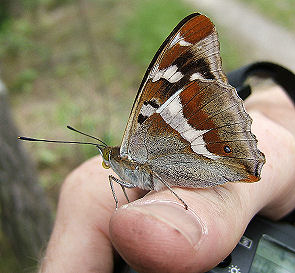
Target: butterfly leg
(125, 193)
(113, 191)
(123, 186)
(170, 189)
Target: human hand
(156, 234)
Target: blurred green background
(80, 63)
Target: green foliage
(18, 46)
(8, 262)
(66, 109)
(53, 4)
(110, 72)
(24, 80)
(47, 4)
(147, 27)
(232, 54)
(46, 156)
(15, 38)
(4, 14)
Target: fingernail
(175, 216)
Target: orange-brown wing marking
(192, 32)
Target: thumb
(161, 236)
(153, 235)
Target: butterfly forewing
(191, 50)
(186, 113)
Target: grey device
(265, 247)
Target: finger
(275, 104)
(80, 239)
(156, 236)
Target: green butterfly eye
(105, 155)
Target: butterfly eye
(106, 153)
(227, 149)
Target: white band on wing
(171, 112)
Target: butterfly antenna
(75, 130)
(58, 141)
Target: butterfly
(187, 127)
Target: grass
(147, 27)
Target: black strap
(279, 74)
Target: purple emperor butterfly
(188, 127)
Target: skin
(155, 234)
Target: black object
(281, 75)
